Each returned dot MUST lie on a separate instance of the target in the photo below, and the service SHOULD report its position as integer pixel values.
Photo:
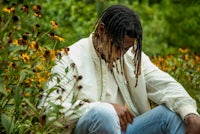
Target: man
(103, 84)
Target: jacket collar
(92, 49)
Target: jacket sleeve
(61, 93)
(163, 89)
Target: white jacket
(153, 84)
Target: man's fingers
(122, 124)
(130, 117)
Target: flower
(27, 94)
(37, 14)
(52, 35)
(15, 18)
(8, 90)
(183, 50)
(16, 42)
(37, 10)
(25, 8)
(59, 38)
(54, 24)
(66, 50)
(52, 55)
(9, 10)
(34, 45)
(41, 80)
(25, 57)
(40, 67)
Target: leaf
(7, 123)
(67, 70)
(2, 88)
(17, 97)
(54, 75)
(58, 124)
(58, 80)
(30, 104)
(22, 75)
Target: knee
(165, 111)
(105, 118)
(168, 114)
(104, 112)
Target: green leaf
(7, 123)
(22, 75)
(30, 104)
(2, 88)
(17, 96)
(58, 124)
(58, 80)
(67, 70)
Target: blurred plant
(27, 55)
(184, 66)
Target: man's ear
(101, 28)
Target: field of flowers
(27, 55)
(27, 52)
(184, 66)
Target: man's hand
(193, 125)
(124, 114)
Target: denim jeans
(103, 119)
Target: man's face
(122, 49)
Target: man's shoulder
(79, 44)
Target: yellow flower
(8, 90)
(37, 8)
(59, 38)
(25, 57)
(41, 80)
(39, 85)
(48, 74)
(37, 14)
(192, 63)
(15, 58)
(52, 55)
(27, 94)
(40, 67)
(197, 58)
(186, 57)
(183, 50)
(25, 8)
(16, 42)
(198, 68)
(9, 10)
(54, 24)
(34, 45)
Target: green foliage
(182, 19)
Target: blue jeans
(103, 119)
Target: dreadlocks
(120, 21)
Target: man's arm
(163, 89)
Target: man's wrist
(186, 119)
